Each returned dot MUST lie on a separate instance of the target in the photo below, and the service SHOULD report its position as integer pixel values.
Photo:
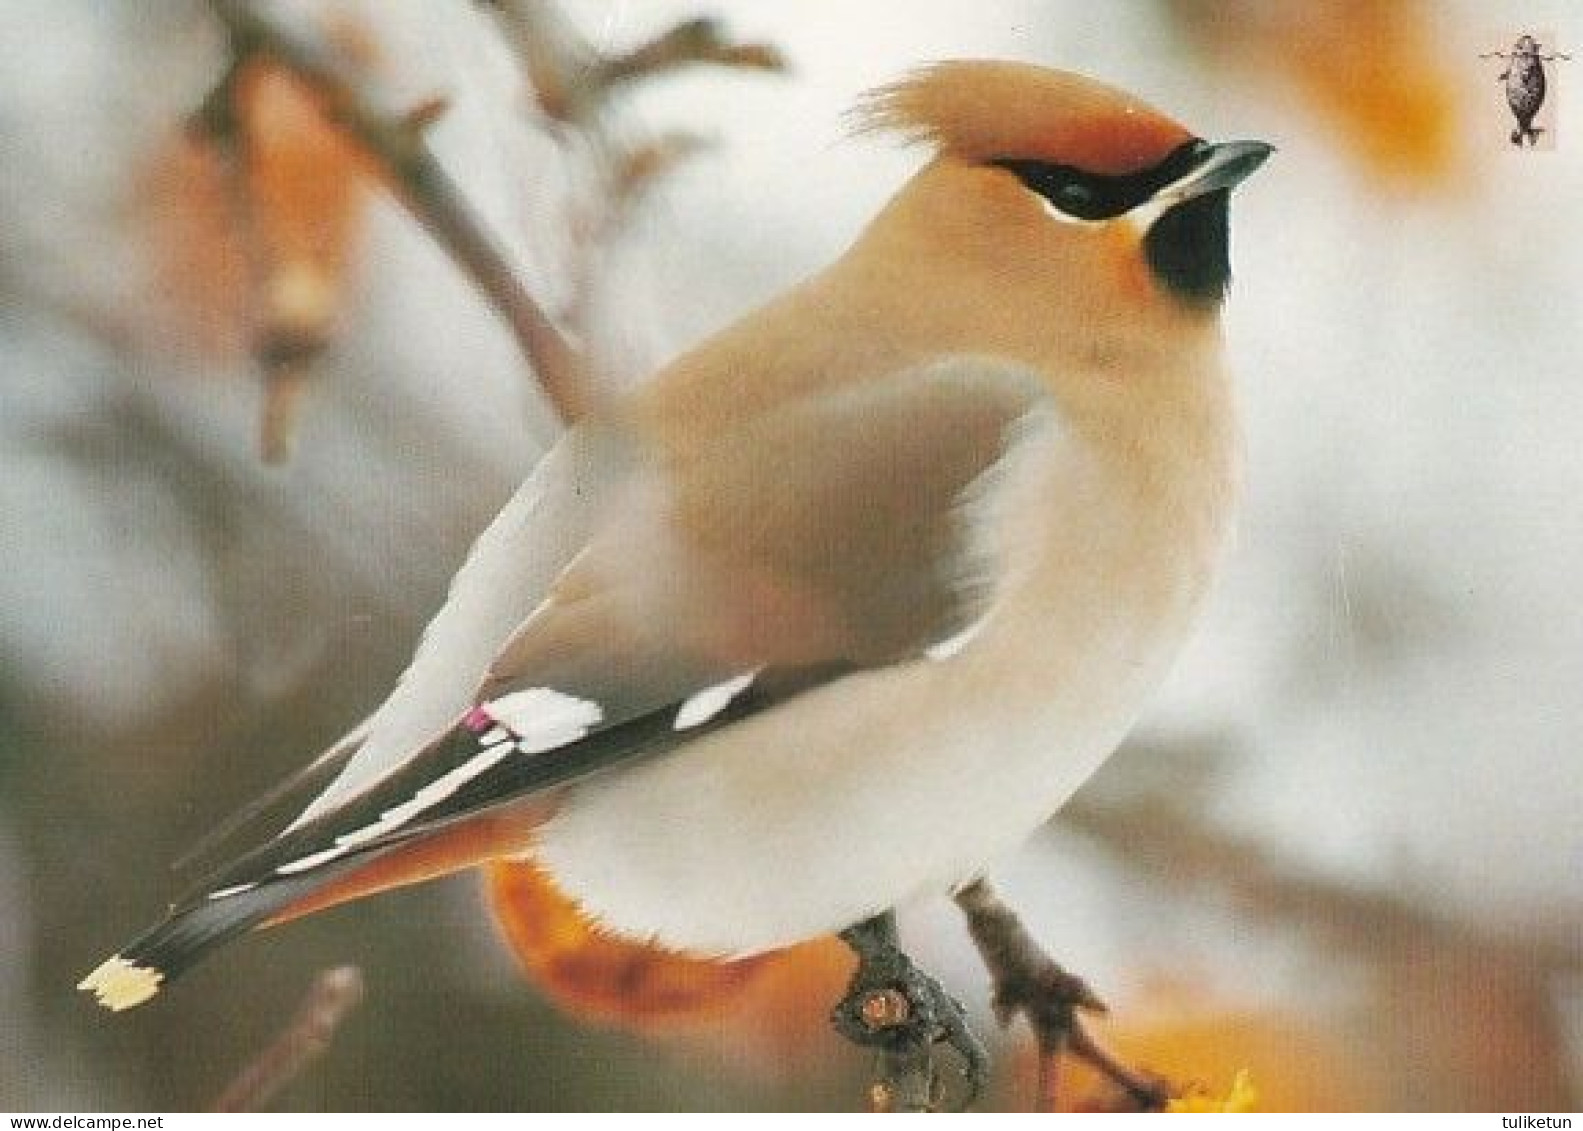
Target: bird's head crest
(981, 111)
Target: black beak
(1218, 167)
(1188, 246)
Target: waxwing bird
(847, 601)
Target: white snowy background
(1387, 692)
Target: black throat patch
(1188, 248)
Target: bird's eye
(1092, 197)
(1071, 192)
(1075, 197)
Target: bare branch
(329, 1001)
(904, 1079)
(901, 1013)
(395, 140)
(573, 80)
(1159, 836)
(689, 44)
(554, 56)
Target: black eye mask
(1088, 196)
(1186, 247)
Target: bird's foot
(899, 1011)
(1028, 983)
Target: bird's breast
(910, 779)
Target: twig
(573, 80)
(904, 1078)
(878, 1014)
(902, 1013)
(396, 142)
(329, 1001)
(554, 56)
(688, 44)
(1156, 835)
(633, 175)
(1455, 993)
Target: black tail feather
(166, 950)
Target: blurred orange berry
(1243, 1097)
(1377, 73)
(253, 221)
(1224, 1057)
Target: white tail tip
(119, 984)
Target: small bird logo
(1526, 83)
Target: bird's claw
(1048, 996)
(1028, 983)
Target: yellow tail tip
(119, 984)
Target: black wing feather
(516, 777)
(252, 890)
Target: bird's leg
(901, 1012)
(1028, 982)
